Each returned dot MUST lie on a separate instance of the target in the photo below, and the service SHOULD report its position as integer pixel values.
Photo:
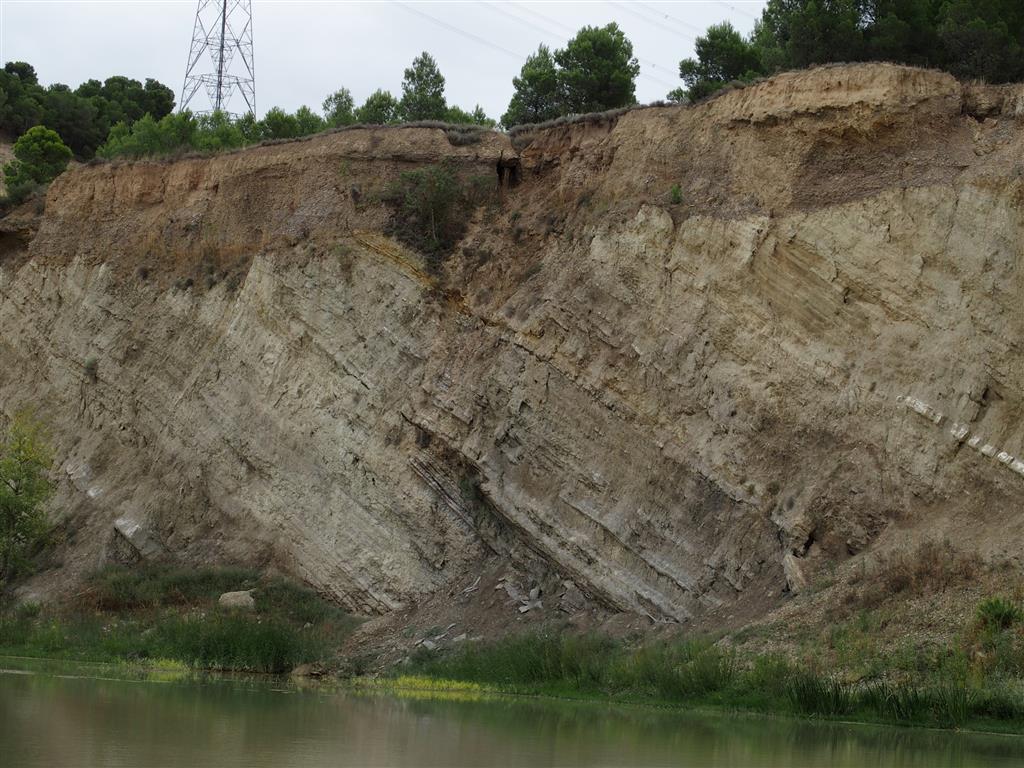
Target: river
(54, 716)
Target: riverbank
(160, 615)
(946, 691)
(169, 619)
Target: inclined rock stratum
(686, 401)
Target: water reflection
(51, 720)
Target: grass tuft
(815, 694)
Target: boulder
(242, 600)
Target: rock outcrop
(679, 406)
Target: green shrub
(995, 613)
(769, 674)
(25, 460)
(677, 671)
(676, 194)
(432, 206)
(39, 157)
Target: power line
(642, 60)
(738, 10)
(662, 16)
(459, 31)
(483, 41)
(554, 22)
(526, 22)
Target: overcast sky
(306, 49)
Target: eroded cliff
(685, 401)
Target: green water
(62, 717)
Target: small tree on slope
(24, 486)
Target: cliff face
(684, 400)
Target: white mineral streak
(960, 432)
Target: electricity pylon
(223, 29)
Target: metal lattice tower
(223, 29)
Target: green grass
(948, 694)
(121, 589)
(813, 693)
(151, 613)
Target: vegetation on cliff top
(595, 71)
(972, 39)
(82, 117)
(422, 99)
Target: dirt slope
(679, 404)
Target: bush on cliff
(432, 206)
(24, 486)
(39, 157)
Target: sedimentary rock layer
(670, 363)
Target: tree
(536, 97)
(970, 38)
(149, 137)
(158, 98)
(39, 157)
(339, 108)
(215, 132)
(380, 108)
(83, 117)
(278, 124)
(22, 105)
(798, 33)
(74, 119)
(308, 121)
(249, 127)
(123, 99)
(24, 71)
(426, 202)
(423, 91)
(982, 40)
(24, 487)
(598, 71)
(678, 96)
(722, 56)
(459, 116)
